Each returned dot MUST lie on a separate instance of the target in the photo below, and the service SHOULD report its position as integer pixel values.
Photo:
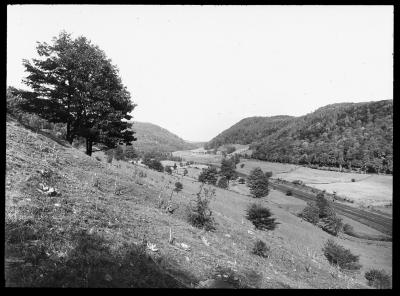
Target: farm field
(116, 206)
(367, 190)
(188, 155)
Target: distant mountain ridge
(151, 137)
(250, 129)
(348, 135)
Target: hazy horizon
(197, 70)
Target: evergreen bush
(310, 213)
(378, 279)
(261, 249)
(339, 256)
(222, 183)
(261, 217)
(200, 214)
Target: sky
(197, 70)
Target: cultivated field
(367, 190)
(114, 208)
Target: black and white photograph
(199, 146)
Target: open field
(114, 207)
(367, 190)
(200, 158)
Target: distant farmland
(367, 189)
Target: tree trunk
(89, 144)
(69, 137)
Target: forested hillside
(347, 135)
(249, 130)
(151, 137)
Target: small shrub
(242, 165)
(227, 275)
(261, 217)
(289, 193)
(119, 153)
(168, 169)
(200, 214)
(378, 279)
(261, 249)
(130, 152)
(185, 172)
(331, 224)
(348, 229)
(339, 256)
(310, 213)
(96, 183)
(353, 180)
(75, 144)
(222, 183)
(110, 155)
(155, 164)
(324, 206)
(178, 186)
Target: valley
(116, 204)
(370, 195)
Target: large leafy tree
(209, 176)
(227, 170)
(73, 82)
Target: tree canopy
(227, 170)
(258, 183)
(344, 136)
(73, 82)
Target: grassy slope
(91, 236)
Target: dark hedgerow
(261, 217)
(338, 255)
(261, 249)
(378, 279)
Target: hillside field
(90, 234)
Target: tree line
(346, 136)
